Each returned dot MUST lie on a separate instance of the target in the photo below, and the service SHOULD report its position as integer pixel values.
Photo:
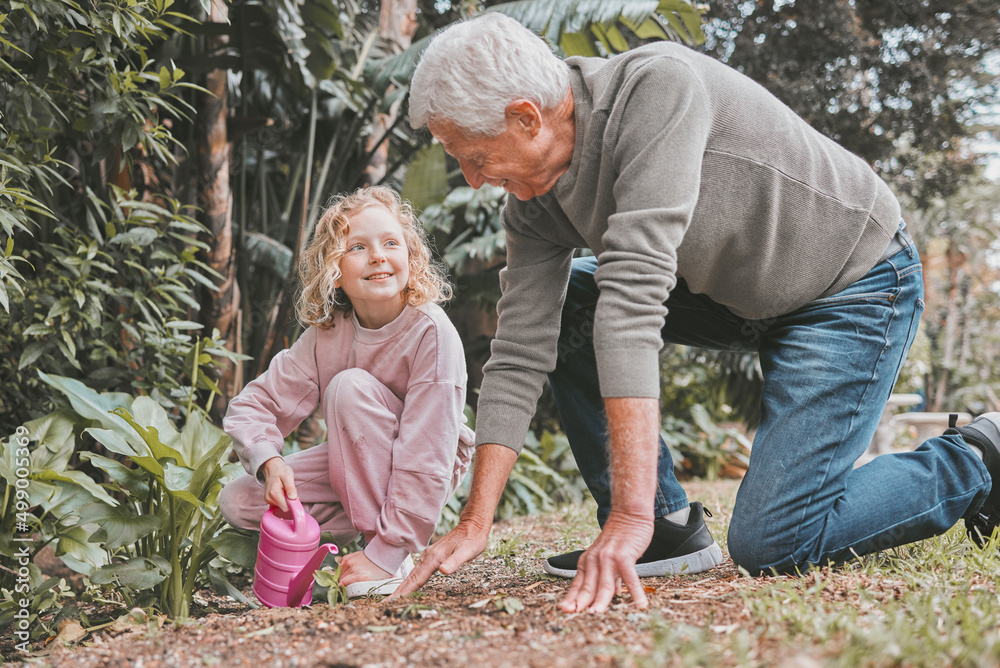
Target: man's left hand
(609, 562)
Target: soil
(498, 610)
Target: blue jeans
(828, 370)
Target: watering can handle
(298, 514)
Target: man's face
(510, 160)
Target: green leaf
(88, 403)
(222, 586)
(37, 329)
(177, 478)
(113, 441)
(426, 178)
(147, 412)
(120, 526)
(77, 552)
(237, 546)
(209, 469)
(138, 574)
(577, 44)
(131, 480)
(263, 251)
(54, 435)
(140, 236)
(183, 325)
(80, 479)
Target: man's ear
(524, 115)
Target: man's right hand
(279, 482)
(463, 543)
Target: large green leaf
(139, 573)
(160, 451)
(209, 469)
(131, 480)
(77, 552)
(265, 252)
(239, 547)
(88, 403)
(198, 440)
(113, 440)
(119, 526)
(80, 479)
(151, 415)
(54, 435)
(177, 478)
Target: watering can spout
(297, 587)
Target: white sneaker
(381, 587)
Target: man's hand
(609, 562)
(357, 567)
(493, 464)
(279, 482)
(633, 430)
(463, 543)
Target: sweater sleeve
(425, 452)
(270, 407)
(658, 155)
(533, 286)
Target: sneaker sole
(376, 588)
(696, 562)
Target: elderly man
(717, 218)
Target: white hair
(474, 69)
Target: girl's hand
(279, 482)
(356, 567)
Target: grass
(928, 604)
(933, 603)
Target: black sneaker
(676, 549)
(984, 433)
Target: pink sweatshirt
(420, 358)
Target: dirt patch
(499, 610)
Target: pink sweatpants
(343, 486)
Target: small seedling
(336, 593)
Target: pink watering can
(287, 557)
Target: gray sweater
(682, 167)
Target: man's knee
(754, 550)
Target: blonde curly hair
(320, 300)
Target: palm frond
(269, 253)
(577, 27)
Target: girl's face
(376, 267)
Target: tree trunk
(397, 23)
(220, 309)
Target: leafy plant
(160, 535)
(336, 593)
(701, 448)
(544, 476)
(99, 260)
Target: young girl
(388, 369)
